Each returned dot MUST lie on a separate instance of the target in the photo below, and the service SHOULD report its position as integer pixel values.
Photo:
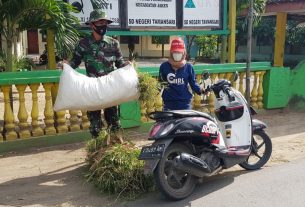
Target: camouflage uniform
(100, 57)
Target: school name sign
(170, 14)
(201, 13)
(163, 13)
(151, 13)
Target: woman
(178, 75)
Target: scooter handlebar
(222, 85)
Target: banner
(111, 7)
(159, 13)
(201, 13)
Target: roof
(281, 1)
(292, 7)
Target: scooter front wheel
(261, 149)
(173, 183)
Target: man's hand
(62, 63)
(127, 63)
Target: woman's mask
(177, 56)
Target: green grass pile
(148, 87)
(116, 169)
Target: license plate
(152, 152)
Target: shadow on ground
(63, 186)
(206, 187)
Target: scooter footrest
(233, 152)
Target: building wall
(19, 45)
(145, 48)
(22, 44)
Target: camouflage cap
(97, 15)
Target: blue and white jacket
(178, 81)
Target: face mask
(177, 56)
(101, 30)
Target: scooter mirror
(205, 75)
(235, 76)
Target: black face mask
(101, 30)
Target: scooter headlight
(167, 129)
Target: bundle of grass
(96, 146)
(148, 87)
(116, 170)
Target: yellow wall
(146, 49)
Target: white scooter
(189, 144)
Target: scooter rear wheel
(261, 149)
(173, 183)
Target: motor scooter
(189, 144)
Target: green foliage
(94, 145)
(148, 87)
(99, 4)
(265, 30)
(22, 63)
(18, 63)
(295, 34)
(19, 15)
(116, 169)
(242, 24)
(2, 61)
(258, 7)
(207, 45)
(241, 35)
(190, 41)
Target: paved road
(279, 186)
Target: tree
(19, 15)
(207, 45)
(160, 40)
(258, 6)
(265, 31)
(295, 34)
(241, 24)
(190, 40)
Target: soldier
(101, 55)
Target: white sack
(79, 92)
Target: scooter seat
(191, 113)
(164, 115)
